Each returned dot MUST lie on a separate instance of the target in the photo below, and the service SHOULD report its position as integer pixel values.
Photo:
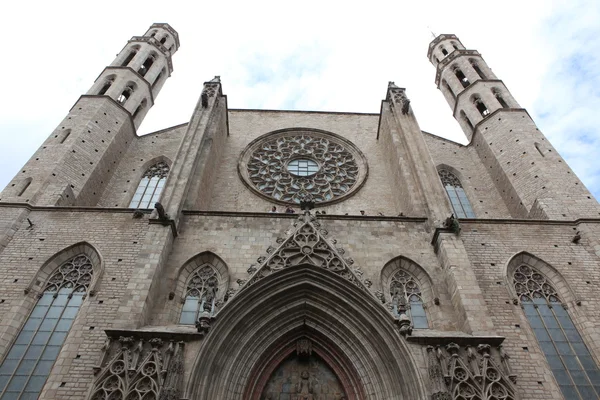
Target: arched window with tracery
(458, 198)
(570, 360)
(407, 298)
(200, 294)
(27, 365)
(150, 186)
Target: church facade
(291, 255)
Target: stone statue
(209, 297)
(204, 99)
(398, 301)
(304, 388)
(160, 210)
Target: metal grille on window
(200, 295)
(406, 298)
(27, 365)
(570, 360)
(456, 193)
(150, 187)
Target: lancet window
(573, 367)
(456, 194)
(407, 298)
(27, 365)
(200, 295)
(150, 186)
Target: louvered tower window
(200, 294)
(406, 298)
(27, 365)
(570, 360)
(456, 193)
(151, 186)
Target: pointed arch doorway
(256, 333)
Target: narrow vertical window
(151, 186)
(500, 99)
(444, 51)
(466, 119)
(406, 299)
(146, 65)
(448, 88)
(130, 56)
(456, 194)
(28, 363)
(480, 105)
(106, 86)
(539, 149)
(164, 39)
(572, 364)
(140, 108)
(24, 185)
(477, 69)
(157, 79)
(454, 45)
(64, 135)
(461, 77)
(125, 94)
(200, 295)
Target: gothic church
(297, 255)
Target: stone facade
(211, 296)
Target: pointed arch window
(458, 198)
(27, 365)
(150, 186)
(200, 294)
(570, 360)
(407, 299)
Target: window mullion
(27, 348)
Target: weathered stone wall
(491, 246)
(116, 237)
(143, 152)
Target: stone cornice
(294, 216)
(432, 337)
(135, 73)
(449, 58)
(438, 39)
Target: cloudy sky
(311, 55)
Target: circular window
(302, 167)
(292, 165)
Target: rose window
(294, 165)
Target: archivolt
(350, 331)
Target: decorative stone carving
(134, 368)
(303, 167)
(76, 273)
(398, 96)
(304, 348)
(530, 285)
(160, 211)
(306, 245)
(469, 373)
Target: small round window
(303, 167)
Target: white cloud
(334, 56)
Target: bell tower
(533, 179)
(74, 164)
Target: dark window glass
(456, 194)
(30, 359)
(572, 365)
(150, 187)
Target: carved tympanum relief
(292, 165)
(303, 378)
